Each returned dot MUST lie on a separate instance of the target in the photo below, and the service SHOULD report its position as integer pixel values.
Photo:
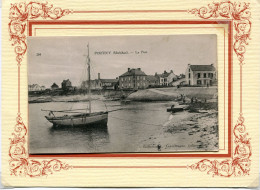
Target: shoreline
(196, 132)
(145, 95)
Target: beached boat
(77, 117)
(177, 108)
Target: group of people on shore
(192, 100)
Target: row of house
(135, 78)
(195, 75)
(65, 85)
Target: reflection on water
(93, 133)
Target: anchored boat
(82, 119)
(77, 117)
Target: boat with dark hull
(77, 117)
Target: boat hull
(79, 119)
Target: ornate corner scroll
(239, 13)
(19, 163)
(239, 164)
(20, 13)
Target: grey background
(63, 57)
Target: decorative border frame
(21, 165)
(240, 162)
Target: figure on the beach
(159, 147)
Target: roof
(109, 80)
(151, 78)
(202, 68)
(164, 74)
(136, 72)
(68, 80)
(54, 84)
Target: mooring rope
(136, 121)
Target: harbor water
(137, 127)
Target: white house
(204, 75)
(35, 88)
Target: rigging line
(136, 121)
(141, 109)
(105, 105)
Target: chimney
(139, 69)
(155, 73)
(171, 71)
(128, 69)
(165, 72)
(98, 76)
(211, 64)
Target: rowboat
(77, 117)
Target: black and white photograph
(123, 94)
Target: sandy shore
(186, 132)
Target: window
(189, 75)
(198, 75)
(199, 82)
(209, 75)
(205, 75)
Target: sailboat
(76, 117)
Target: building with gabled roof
(111, 84)
(54, 86)
(166, 78)
(98, 84)
(201, 75)
(133, 79)
(152, 80)
(66, 85)
(34, 88)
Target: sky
(54, 59)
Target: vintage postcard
(122, 94)
(157, 92)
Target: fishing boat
(79, 117)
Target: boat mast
(89, 82)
